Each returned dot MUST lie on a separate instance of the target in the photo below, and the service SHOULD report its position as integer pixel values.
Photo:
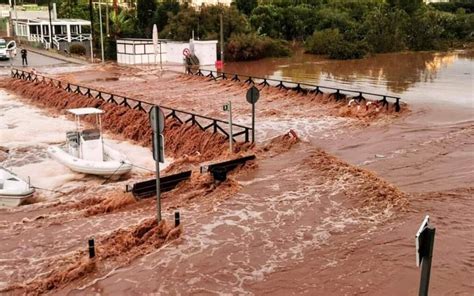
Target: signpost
(157, 121)
(228, 108)
(156, 42)
(424, 241)
(253, 94)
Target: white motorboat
(85, 151)
(13, 190)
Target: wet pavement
(34, 60)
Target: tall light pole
(101, 33)
(222, 40)
(50, 26)
(107, 18)
(91, 15)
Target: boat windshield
(90, 134)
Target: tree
(164, 10)
(410, 6)
(246, 6)
(384, 29)
(145, 11)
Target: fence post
(91, 248)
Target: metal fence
(205, 123)
(338, 94)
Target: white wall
(172, 51)
(206, 51)
(210, 2)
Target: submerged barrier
(338, 94)
(205, 123)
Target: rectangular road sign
(159, 152)
(418, 239)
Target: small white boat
(85, 151)
(13, 190)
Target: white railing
(57, 39)
(37, 38)
(81, 37)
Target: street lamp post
(101, 33)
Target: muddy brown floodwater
(330, 206)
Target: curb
(56, 56)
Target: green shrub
(321, 41)
(345, 50)
(245, 47)
(78, 49)
(332, 43)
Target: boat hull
(14, 200)
(13, 190)
(117, 166)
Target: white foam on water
(27, 131)
(305, 128)
(30, 125)
(141, 157)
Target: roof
(41, 20)
(85, 111)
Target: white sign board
(423, 225)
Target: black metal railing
(338, 94)
(205, 123)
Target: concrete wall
(141, 51)
(206, 51)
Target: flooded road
(299, 220)
(417, 77)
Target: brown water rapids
(329, 207)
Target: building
(207, 2)
(435, 1)
(32, 23)
(132, 51)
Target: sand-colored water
(330, 206)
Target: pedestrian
(24, 57)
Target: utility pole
(115, 4)
(50, 26)
(91, 15)
(101, 33)
(222, 40)
(107, 32)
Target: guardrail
(205, 123)
(304, 88)
(148, 188)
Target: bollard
(91, 248)
(176, 219)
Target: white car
(4, 54)
(7, 50)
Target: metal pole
(107, 18)
(156, 134)
(92, 50)
(50, 26)
(101, 33)
(91, 15)
(161, 59)
(16, 22)
(91, 248)
(222, 40)
(231, 138)
(253, 123)
(426, 262)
